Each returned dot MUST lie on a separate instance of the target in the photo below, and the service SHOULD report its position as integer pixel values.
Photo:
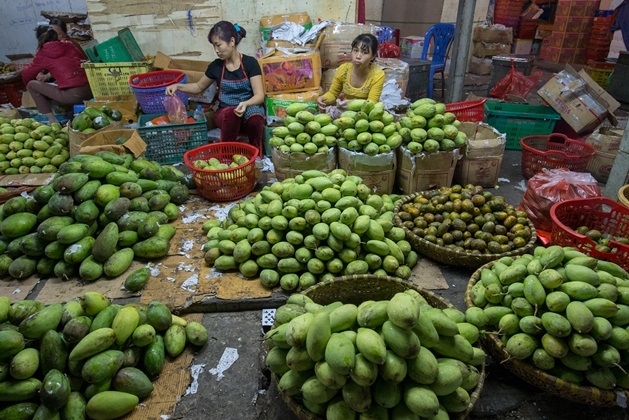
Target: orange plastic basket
(473, 111)
(600, 213)
(228, 184)
(554, 152)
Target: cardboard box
(75, 137)
(395, 69)
(106, 141)
(270, 22)
(377, 172)
(126, 104)
(606, 143)
(289, 165)
(480, 66)
(493, 33)
(336, 47)
(286, 72)
(580, 101)
(425, 170)
(489, 49)
(522, 46)
(412, 46)
(326, 79)
(482, 157)
(194, 70)
(276, 104)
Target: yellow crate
(107, 79)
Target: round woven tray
(578, 393)
(451, 256)
(357, 289)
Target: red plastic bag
(552, 186)
(515, 83)
(176, 109)
(389, 50)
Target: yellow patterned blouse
(371, 89)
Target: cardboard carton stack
(489, 40)
(571, 32)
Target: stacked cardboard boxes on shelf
(489, 41)
(571, 32)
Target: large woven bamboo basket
(581, 394)
(451, 256)
(357, 289)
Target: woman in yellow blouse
(361, 78)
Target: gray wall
(18, 19)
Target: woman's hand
(43, 77)
(321, 102)
(170, 90)
(240, 109)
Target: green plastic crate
(520, 120)
(166, 144)
(120, 48)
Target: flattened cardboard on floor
(169, 386)
(26, 180)
(17, 290)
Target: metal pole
(460, 50)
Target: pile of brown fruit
(468, 219)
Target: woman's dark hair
(49, 35)
(225, 31)
(59, 23)
(40, 30)
(367, 43)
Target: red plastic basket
(12, 93)
(228, 184)
(150, 89)
(600, 213)
(473, 111)
(553, 152)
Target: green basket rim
(548, 113)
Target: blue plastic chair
(440, 36)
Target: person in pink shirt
(62, 60)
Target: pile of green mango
(304, 131)
(364, 127)
(427, 127)
(86, 358)
(310, 228)
(93, 119)
(560, 310)
(27, 146)
(97, 215)
(397, 358)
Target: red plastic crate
(600, 213)
(228, 184)
(554, 152)
(12, 93)
(468, 110)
